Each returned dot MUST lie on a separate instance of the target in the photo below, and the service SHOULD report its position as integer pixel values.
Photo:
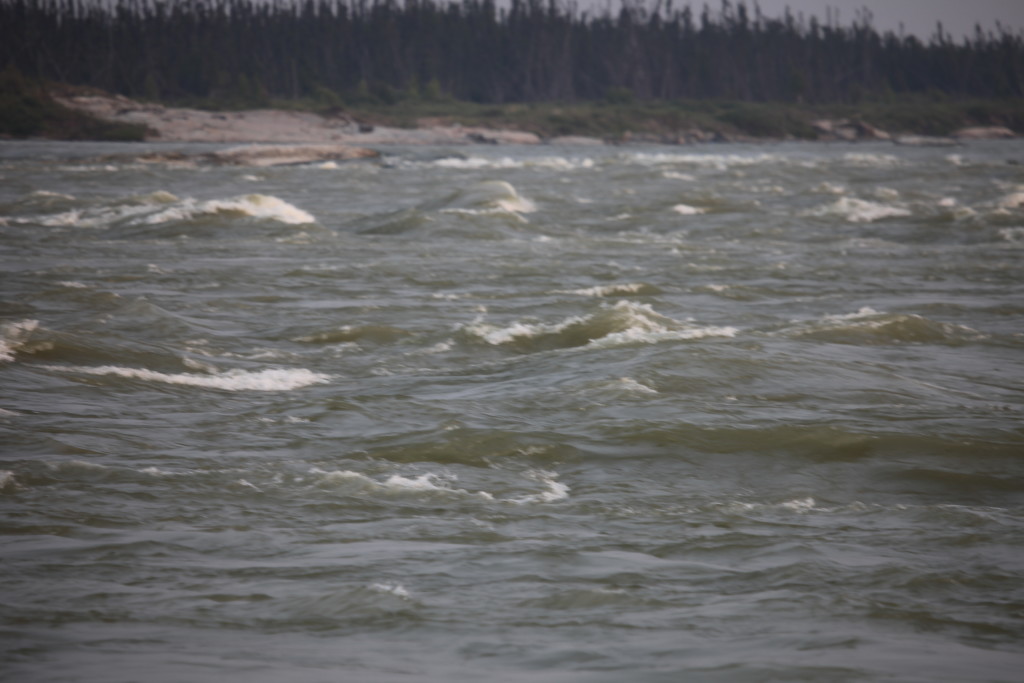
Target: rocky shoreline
(275, 137)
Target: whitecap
(13, 336)
(612, 290)
(552, 492)
(631, 385)
(718, 162)
(428, 482)
(687, 210)
(625, 322)
(827, 187)
(396, 589)
(261, 206)
(858, 210)
(7, 480)
(232, 380)
(1015, 235)
(1014, 200)
(867, 159)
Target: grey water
(637, 413)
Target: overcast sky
(958, 17)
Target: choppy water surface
(503, 414)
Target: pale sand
(274, 126)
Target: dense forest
(477, 50)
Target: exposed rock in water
(288, 155)
(574, 140)
(924, 141)
(848, 130)
(984, 133)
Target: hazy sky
(958, 17)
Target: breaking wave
(432, 484)
(232, 380)
(14, 335)
(162, 207)
(625, 322)
(857, 210)
(868, 326)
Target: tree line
(476, 50)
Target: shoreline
(267, 137)
(270, 125)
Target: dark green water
(725, 413)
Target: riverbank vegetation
(27, 109)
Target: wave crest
(625, 322)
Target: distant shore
(459, 123)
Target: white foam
(719, 162)
(625, 322)
(255, 205)
(396, 589)
(858, 210)
(862, 312)
(553, 491)
(1015, 235)
(232, 380)
(867, 159)
(609, 290)
(687, 210)
(631, 385)
(799, 506)
(1014, 200)
(827, 187)
(554, 163)
(7, 480)
(431, 483)
(397, 484)
(13, 336)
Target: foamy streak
(857, 210)
(892, 327)
(553, 490)
(799, 506)
(719, 162)
(396, 484)
(611, 290)
(233, 380)
(431, 483)
(13, 336)
(866, 159)
(624, 323)
(551, 163)
(687, 210)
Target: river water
(722, 413)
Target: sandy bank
(278, 127)
(171, 124)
